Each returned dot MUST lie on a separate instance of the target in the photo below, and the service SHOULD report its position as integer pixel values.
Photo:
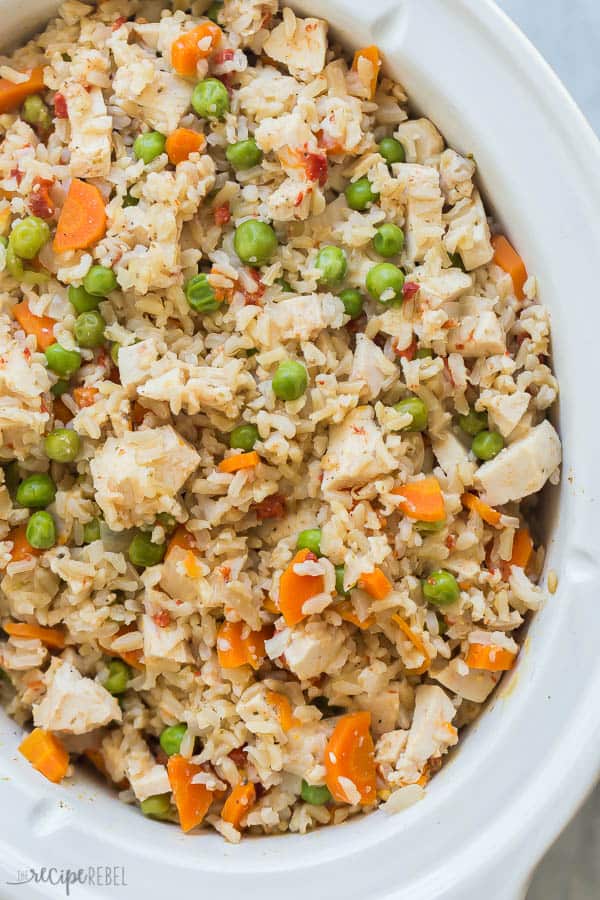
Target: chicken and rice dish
(273, 419)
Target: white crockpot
(529, 761)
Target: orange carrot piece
(235, 648)
(522, 548)
(239, 461)
(239, 803)
(295, 590)
(373, 56)
(508, 259)
(416, 642)
(41, 326)
(85, 396)
(487, 513)
(490, 658)
(194, 45)
(283, 708)
(350, 754)
(82, 220)
(192, 800)
(12, 95)
(181, 538)
(52, 637)
(21, 549)
(46, 754)
(375, 583)
(182, 142)
(345, 609)
(423, 500)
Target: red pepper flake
(162, 618)
(60, 107)
(252, 298)
(408, 352)
(272, 507)
(40, 202)
(26, 354)
(238, 756)
(299, 199)
(410, 289)
(17, 175)
(117, 23)
(222, 56)
(316, 167)
(222, 214)
(450, 542)
(225, 572)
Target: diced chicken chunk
(314, 648)
(91, 131)
(340, 122)
(477, 335)
(453, 457)
(506, 410)
(168, 642)
(356, 452)
(468, 233)
(135, 362)
(304, 751)
(146, 777)
(475, 686)
(300, 44)
(193, 388)
(73, 703)
(22, 384)
(297, 319)
(438, 289)
(137, 475)
(424, 203)
(431, 732)
(372, 367)
(421, 140)
(522, 468)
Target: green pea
(89, 329)
(61, 387)
(385, 282)
(332, 263)
(243, 437)
(255, 242)
(210, 99)
(473, 422)
(100, 281)
(171, 738)
(119, 674)
(388, 240)
(316, 794)
(35, 112)
(81, 300)
(290, 380)
(91, 531)
(149, 145)
(310, 539)
(200, 295)
(359, 194)
(441, 588)
(353, 302)
(14, 265)
(424, 353)
(391, 150)
(62, 445)
(415, 407)
(36, 491)
(41, 530)
(12, 478)
(429, 527)
(487, 444)
(62, 361)
(340, 571)
(213, 11)
(157, 807)
(130, 200)
(285, 285)
(244, 155)
(142, 552)
(28, 237)
(32, 278)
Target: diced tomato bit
(85, 396)
(60, 106)
(272, 507)
(316, 167)
(162, 618)
(222, 214)
(222, 56)
(409, 289)
(40, 202)
(117, 23)
(408, 352)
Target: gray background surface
(567, 33)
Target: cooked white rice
(155, 431)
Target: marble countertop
(567, 33)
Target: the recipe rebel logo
(68, 879)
